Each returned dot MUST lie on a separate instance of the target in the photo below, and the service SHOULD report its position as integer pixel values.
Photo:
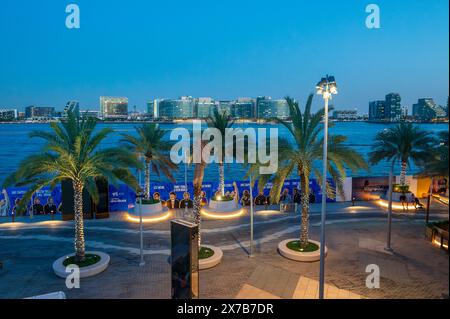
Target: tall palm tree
(71, 152)
(302, 155)
(149, 144)
(437, 163)
(199, 173)
(404, 142)
(221, 121)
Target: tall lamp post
(141, 231)
(326, 87)
(391, 177)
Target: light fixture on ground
(326, 87)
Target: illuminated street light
(326, 87)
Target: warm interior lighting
(223, 215)
(148, 220)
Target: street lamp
(326, 87)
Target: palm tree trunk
(199, 173)
(304, 230)
(79, 221)
(222, 179)
(147, 180)
(403, 173)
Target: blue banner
(121, 198)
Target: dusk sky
(223, 49)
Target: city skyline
(273, 51)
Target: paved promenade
(355, 238)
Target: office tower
(113, 107)
(72, 106)
(426, 110)
(266, 108)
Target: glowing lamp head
(327, 86)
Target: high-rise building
(39, 112)
(266, 108)
(426, 110)
(393, 107)
(225, 106)
(389, 110)
(376, 110)
(183, 108)
(72, 106)
(8, 114)
(205, 107)
(244, 108)
(114, 107)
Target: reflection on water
(15, 145)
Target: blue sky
(224, 49)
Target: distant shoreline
(237, 122)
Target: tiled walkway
(268, 282)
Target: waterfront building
(39, 112)
(393, 107)
(89, 113)
(183, 108)
(72, 106)
(266, 108)
(153, 108)
(113, 107)
(376, 110)
(345, 115)
(389, 110)
(244, 108)
(205, 107)
(426, 110)
(8, 114)
(225, 106)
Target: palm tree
(438, 161)
(302, 155)
(436, 165)
(199, 173)
(221, 121)
(404, 142)
(150, 144)
(71, 152)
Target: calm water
(15, 145)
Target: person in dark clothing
(297, 196)
(37, 207)
(50, 207)
(173, 202)
(186, 202)
(260, 200)
(245, 200)
(312, 198)
(297, 200)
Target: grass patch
(205, 253)
(149, 201)
(89, 259)
(295, 245)
(223, 198)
